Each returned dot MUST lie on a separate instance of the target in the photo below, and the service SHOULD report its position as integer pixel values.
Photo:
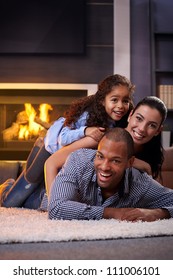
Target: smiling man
(102, 184)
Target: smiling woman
(145, 125)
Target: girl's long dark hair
(153, 150)
(93, 104)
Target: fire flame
(32, 128)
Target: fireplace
(13, 98)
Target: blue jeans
(22, 194)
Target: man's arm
(135, 214)
(149, 201)
(56, 160)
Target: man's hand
(136, 214)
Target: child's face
(117, 102)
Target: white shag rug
(19, 225)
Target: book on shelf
(166, 95)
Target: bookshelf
(161, 21)
(163, 68)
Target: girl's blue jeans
(22, 194)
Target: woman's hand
(142, 165)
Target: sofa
(12, 169)
(167, 168)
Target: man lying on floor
(102, 184)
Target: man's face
(110, 164)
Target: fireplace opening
(22, 124)
(13, 103)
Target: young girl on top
(87, 117)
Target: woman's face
(144, 124)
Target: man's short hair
(118, 134)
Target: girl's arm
(56, 160)
(59, 136)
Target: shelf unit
(162, 55)
(163, 68)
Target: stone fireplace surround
(14, 95)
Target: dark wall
(143, 19)
(140, 48)
(152, 50)
(90, 67)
